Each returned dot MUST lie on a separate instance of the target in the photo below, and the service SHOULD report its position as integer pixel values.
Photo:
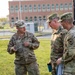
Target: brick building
(37, 10)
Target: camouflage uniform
(57, 46)
(25, 58)
(69, 53)
(68, 58)
(56, 43)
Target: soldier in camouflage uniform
(56, 40)
(68, 58)
(23, 45)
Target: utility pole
(19, 12)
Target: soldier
(23, 45)
(56, 40)
(68, 58)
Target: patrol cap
(20, 23)
(52, 16)
(66, 16)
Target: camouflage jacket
(23, 55)
(57, 44)
(69, 51)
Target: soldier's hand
(26, 44)
(13, 48)
(59, 61)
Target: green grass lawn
(7, 60)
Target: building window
(52, 8)
(35, 18)
(57, 7)
(12, 19)
(70, 6)
(44, 18)
(43, 7)
(25, 8)
(66, 6)
(48, 7)
(61, 6)
(11, 9)
(35, 8)
(16, 8)
(26, 18)
(21, 8)
(28, 27)
(30, 8)
(39, 8)
(30, 18)
(40, 18)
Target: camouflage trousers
(31, 69)
(54, 69)
(53, 72)
(68, 73)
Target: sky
(4, 8)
